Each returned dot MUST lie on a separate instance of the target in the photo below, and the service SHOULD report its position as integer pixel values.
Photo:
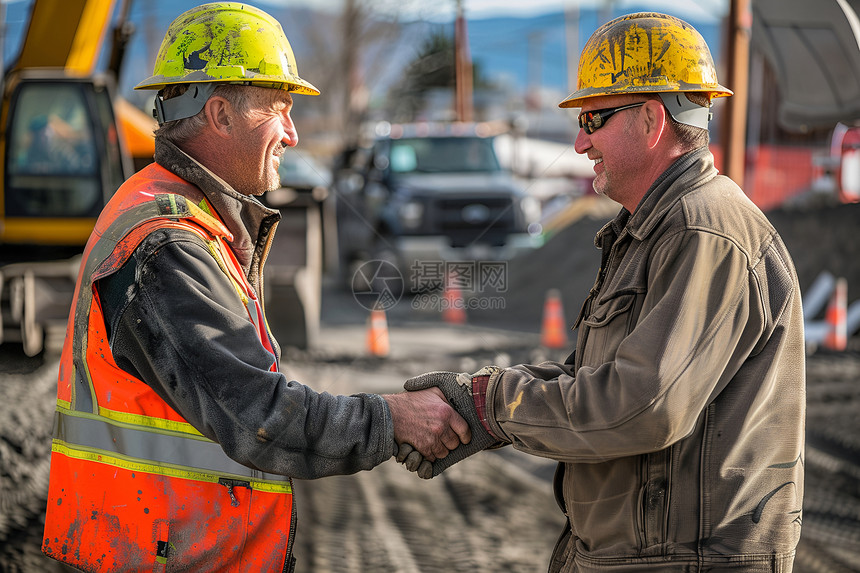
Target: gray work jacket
(679, 423)
(175, 321)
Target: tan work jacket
(679, 424)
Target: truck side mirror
(849, 166)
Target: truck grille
(468, 220)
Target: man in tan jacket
(678, 421)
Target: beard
(599, 184)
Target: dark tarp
(812, 46)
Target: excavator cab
(61, 163)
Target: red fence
(775, 173)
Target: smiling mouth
(598, 161)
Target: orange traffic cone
(553, 332)
(454, 308)
(837, 327)
(377, 333)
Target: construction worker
(176, 436)
(678, 421)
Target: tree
(433, 68)
(346, 52)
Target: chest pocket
(609, 322)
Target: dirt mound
(819, 238)
(825, 238)
(568, 261)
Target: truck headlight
(411, 214)
(531, 210)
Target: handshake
(430, 436)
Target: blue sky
(694, 9)
(443, 10)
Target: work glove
(467, 395)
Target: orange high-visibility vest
(133, 485)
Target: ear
(219, 116)
(656, 122)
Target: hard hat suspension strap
(684, 111)
(188, 104)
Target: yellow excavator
(67, 143)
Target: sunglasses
(591, 121)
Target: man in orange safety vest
(175, 435)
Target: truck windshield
(443, 154)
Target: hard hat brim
(294, 85)
(576, 98)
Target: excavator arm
(65, 34)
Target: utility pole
(535, 71)
(606, 12)
(735, 118)
(2, 45)
(122, 34)
(352, 20)
(462, 67)
(571, 36)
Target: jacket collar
(688, 171)
(250, 221)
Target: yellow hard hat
(227, 42)
(646, 52)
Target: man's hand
(467, 393)
(426, 421)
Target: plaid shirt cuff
(479, 396)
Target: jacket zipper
(230, 484)
(288, 564)
(269, 238)
(261, 296)
(704, 468)
(234, 501)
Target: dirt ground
(493, 512)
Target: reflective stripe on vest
(133, 485)
(153, 450)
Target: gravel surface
(28, 394)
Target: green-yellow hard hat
(227, 42)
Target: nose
(582, 143)
(291, 135)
